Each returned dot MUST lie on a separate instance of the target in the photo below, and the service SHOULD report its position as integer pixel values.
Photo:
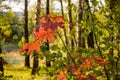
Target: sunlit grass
(15, 69)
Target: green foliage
(102, 20)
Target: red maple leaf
(59, 19)
(30, 47)
(51, 25)
(51, 21)
(91, 77)
(101, 61)
(87, 63)
(45, 34)
(62, 76)
(72, 68)
(47, 29)
(47, 18)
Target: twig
(106, 73)
(68, 52)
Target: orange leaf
(59, 19)
(51, 21)
(91, 77)
(45, 34)
(47, 18)
(72, 68)
(61, 76)
(30, 47)
(43, 20)
(78, 73)
(24, 48)
(100, 61)
(87, 63)
(34, 46)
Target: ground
(15, 69)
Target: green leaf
(54, 47)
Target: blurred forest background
(87, 48)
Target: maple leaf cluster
(77, 70)
(48, 26)
(30, 47)
(62, 76)
(46, 31)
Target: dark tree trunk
(35, 69)
(36, 55)
(27, 57)
(48, 7)
(70, 22)
(112, 4)
(90, 38)
(62, 12)
(80, 31)
(48, 63)
(1, 64)
(81, 42)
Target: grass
(15, 69)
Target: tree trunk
(79, 27)
(81, 40)
(90, 38)
(70, 22)
(62, 12)
(1, 64)
(115, 64)
(36, 55)
(47, 7)
(112, 4)
(48, 64)
(35, 69)
(27, 57)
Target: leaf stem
(68, 52)
(106, 73)
(105, 70)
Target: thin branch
(68, 52)
(100, 52)
(106, 73)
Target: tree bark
(1, 64)
(27, 57)
(36, 55)
(90, 38)
(79, 27)
(35, 69)
(70, 22)
(62, 12)
(47, 7)
(112, 4)
(81, 40)
(48, 63)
